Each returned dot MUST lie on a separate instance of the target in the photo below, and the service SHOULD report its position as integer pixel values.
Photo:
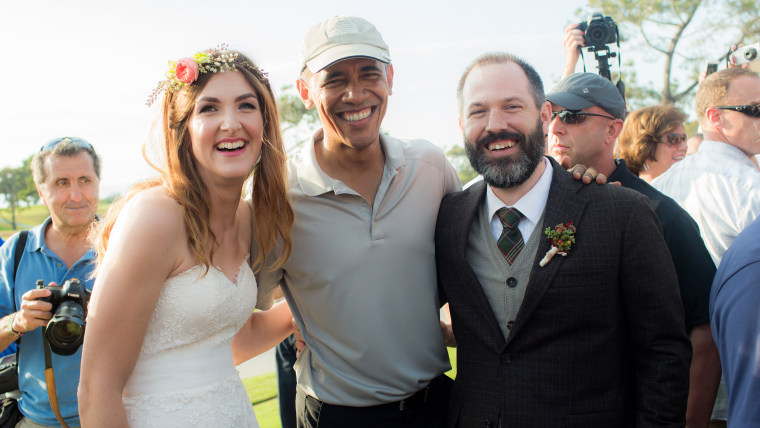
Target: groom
(595, 338)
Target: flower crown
(186, 70)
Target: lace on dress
(185, 375)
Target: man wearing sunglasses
(719, 185)
(66, 172)
(587, 117)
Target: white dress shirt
(531, 205)
(720, 187)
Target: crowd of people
(572, 302)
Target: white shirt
(720, 187)
(531, 205)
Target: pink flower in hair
(186, 70)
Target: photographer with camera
(595, 35)
(67, 175)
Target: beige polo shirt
(361, 280)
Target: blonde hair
(642, 130)
(713, 91)
(272, 215)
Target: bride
(174, 280)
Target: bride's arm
(143, 251)
(263, 330)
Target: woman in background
(653, 139)
(175, 283)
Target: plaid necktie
(510, 242)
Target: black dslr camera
(65, 331)
(599, 31)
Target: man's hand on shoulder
(589, 175)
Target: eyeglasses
(749, 110)
(575, 117)
(74, 140)
(675, 139)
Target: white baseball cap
(342, 37)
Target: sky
(85, 68)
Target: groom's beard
(510, 171)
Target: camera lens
(597, 34)
(65, 331)
(750, 54)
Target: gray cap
(583, 90)
(342, 37)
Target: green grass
(262, 390)
(31, 216)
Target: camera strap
(50, 380)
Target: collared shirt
(361, 279)
(720, 188)
(735, 325)
(694, 266)
(531, 205)
(39, 262)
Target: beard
(507, 172)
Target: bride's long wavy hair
(272, 215)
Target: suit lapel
(471, 208)
(562, 205)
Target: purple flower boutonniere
(562, 238)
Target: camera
(599, 31)
(744, 54)
(710, 68)
(65, 331)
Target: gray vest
(503, 284)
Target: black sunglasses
(575, 117)
(74, 140)
(675, 139)
(750, 110)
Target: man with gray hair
(361, 278)
(67, 175)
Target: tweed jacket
(599, 340)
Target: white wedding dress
(185, 376)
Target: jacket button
(511, 282)
(506, 359)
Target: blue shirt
(12, 347)
(734, 302)
(39, 262)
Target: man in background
(66, 172)
(587, 117)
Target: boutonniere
(562, 238)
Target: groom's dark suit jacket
(599, 340)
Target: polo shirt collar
(37, 236)
(315, 182)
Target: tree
(11, 186)
(296, 120)
(458, 159)
(17, 186)
(663, 26)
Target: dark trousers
(285, 357)
(425, 409)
